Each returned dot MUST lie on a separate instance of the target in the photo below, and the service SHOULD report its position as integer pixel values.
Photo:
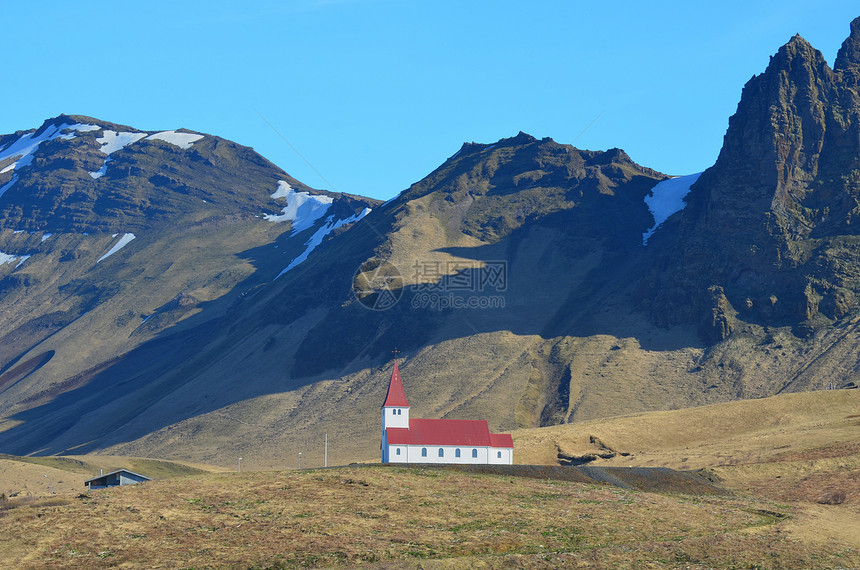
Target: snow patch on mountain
(101, 171)
(182, 140)
(303, 209)
(390, 200)
(123, 241)
(113, 141)
(666, 198)
(284, 190)
(9, 184)
(8, 258)
(45, 236)
(27, 144)
(318, 236)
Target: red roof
(501, 440)
(396, 396)
(474, 433)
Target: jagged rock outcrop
(848, 58)
(774, 223)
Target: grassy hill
(791, 465)
(798, 449)
(25, 477)
(401, 517)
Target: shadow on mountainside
(554, 282)
(131, 395)
(542, 279)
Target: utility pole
(240, 465)
(325, 464)
(300, 460)
(52, 483)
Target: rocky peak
(69, 180)
(848, 58)
(64, 119)
(774, 141)
(784, 185)
(522, 138)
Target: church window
(499, 455)
(457, 452)
(398, 451)
(399, 412)
(474, 453)
(423, 452)
(441, 452)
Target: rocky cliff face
(770, 232)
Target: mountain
(111, 235)
(527, 282)
(274, 360)
(769, 237)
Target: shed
(116, 478)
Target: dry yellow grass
(18, 478)
(34, 476)
(798, 449)
(395, 517)
(785, 458)
(723, 434)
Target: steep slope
(769, 236)
(110, 235)
(486, 253)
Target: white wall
(412, 454)
(390, 417)
(449, 454)
(392, 454)
(507, 456)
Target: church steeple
(395, 409)
(396, 395)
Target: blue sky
(375, 94)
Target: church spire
(396, 395)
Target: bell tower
(395, 409)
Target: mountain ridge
(749, 290)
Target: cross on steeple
(395, 352)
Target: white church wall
(413, 454)
(397, 454)
(449, 454)
(500, 456)
(395, 417)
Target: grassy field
(397, 517)
(798, 449)
(34, 476)
(791, 464)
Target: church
(406, 440)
